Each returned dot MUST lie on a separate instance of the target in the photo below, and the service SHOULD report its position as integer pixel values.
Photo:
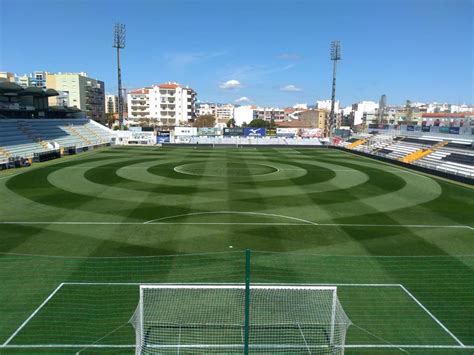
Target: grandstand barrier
(216, 146)
(419, 168)
(356, 143)
(45, 156)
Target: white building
(326, 105)
(24, 81)
(206, 109)
(461, 108)
(301, 106)
(363, 107)
(168, 103)
(243, 114)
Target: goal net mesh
(189, 319)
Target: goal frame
(240, 287)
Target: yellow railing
(421, 153)
(356, 143)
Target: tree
(109, 119)
(259, 123)
(205, 121)
(231, 123)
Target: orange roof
(169, 86)
(139, 91)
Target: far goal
(188, 319)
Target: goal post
(212, 319)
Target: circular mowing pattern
(225, 169)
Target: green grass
(310, 216)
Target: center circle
(225, 169)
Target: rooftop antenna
(119, 43)
(335, 56)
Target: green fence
(415, 304)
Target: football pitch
(79, 235)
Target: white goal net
(188, 319)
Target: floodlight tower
(119, 43)
(382, 107)
(335, 56)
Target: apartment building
(111, 103)
(326, 105)
(269, 113)
(169, 104)
(83, 92)
(7, 76)
(205, 108)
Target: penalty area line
(33, 314)
(431, 315)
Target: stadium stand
(450, 156)
(24, 138)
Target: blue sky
(277, 51)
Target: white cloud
(231, 84)
(291, 88)
(242, 100)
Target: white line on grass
(304, 223)
(347, 346)
(232, 212)
(431, 315)
(224, 284)
(33, 314)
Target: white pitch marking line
(347, 346)
(394, 225)
(158, 223)
(221, 284)
(33, 314)
(431, 315)
(232, 212)
(305, 223)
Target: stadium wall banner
(163, 137)
(311, 133)
(271, 132)
(209, 131)
(148, 129)
(378, 126)
(134, 129)
(410, 128)
(233, 131)
(425, 128)
(185, 131)
(443, 129)
(454, 130)
(254, 132)
(287, 132)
